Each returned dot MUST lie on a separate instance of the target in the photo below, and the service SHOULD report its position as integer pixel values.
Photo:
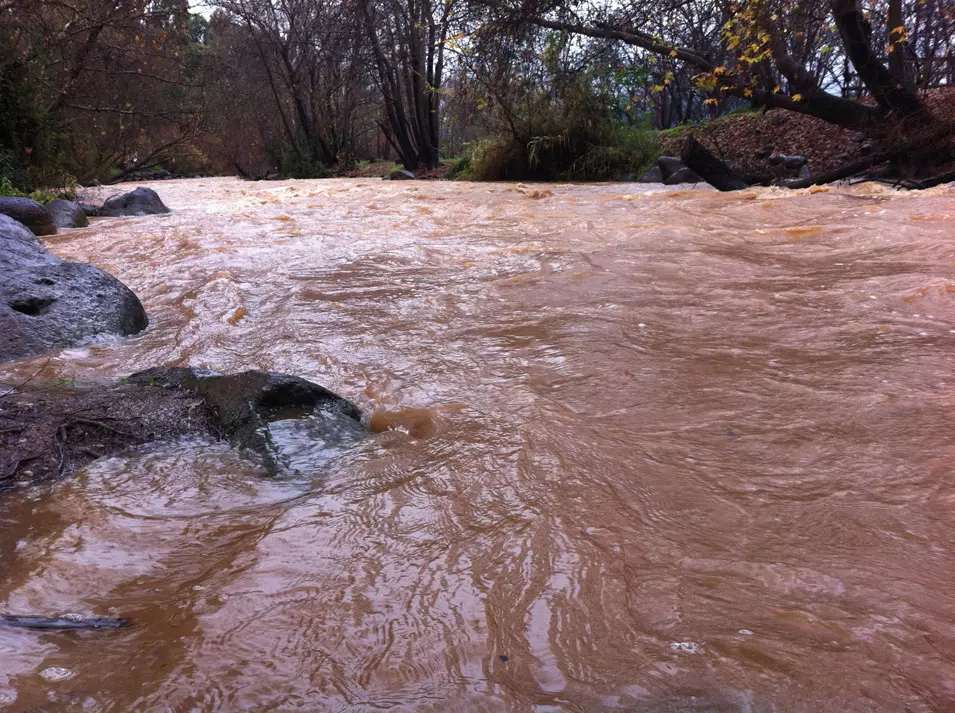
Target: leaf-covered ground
(745, 140)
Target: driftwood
(913, 148)
(709, 168)
(938, 180)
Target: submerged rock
(90, 209)
(684, 175)
(67, 214)
(62, 623)
(47, 431)
(242, 405)
(675, 172)
(142, 201)
(30, 213)
(47, 303)
(400, 174)
(652, 175)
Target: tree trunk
(710, 168)
(896, 41)
(890, 94)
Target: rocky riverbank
(50, 430)
(47, 431)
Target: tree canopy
(99, 88)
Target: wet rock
(400, 174)
(675, 171)
(142, 201)
(47, 431)
(67, 214)
(670, 165)
(790, 163)
(90, 209)
(684, 175)
(242, 405)
(47, 303)
(32, 214)
(653, 175)
(789, 168)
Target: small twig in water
(29, 379)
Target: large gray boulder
(47, 303)
(142, 201)
(67, 214)
(32, 214)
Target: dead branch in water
(913, 148)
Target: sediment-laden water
(663, 451)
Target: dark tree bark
(896, 43)
(889, 92)
(407, 38)
(709, 168)
(828, 107)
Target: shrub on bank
(66, 192)
(568, 132)
(295, 165)
(568, 155)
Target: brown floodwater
(635, 451)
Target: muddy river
(640, 450)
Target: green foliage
(634, 150)
(67, 192)
(295, 165)
(629, 152)
(8, 189)
(565, 132)
(19, 121)
(613, 154)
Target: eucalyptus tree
(409, 39)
